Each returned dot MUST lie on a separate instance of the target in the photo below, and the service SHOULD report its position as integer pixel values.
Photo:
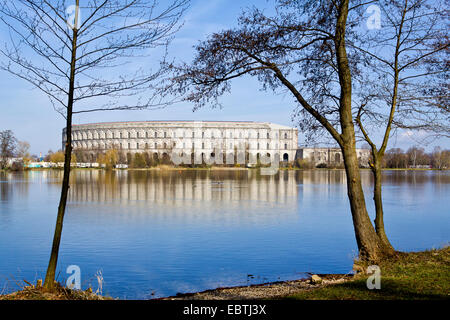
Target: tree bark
(49, 282)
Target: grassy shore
(416, 275)
(37, 292)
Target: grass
(36, 292)
(410, 276)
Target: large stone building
(197, 141)
(331, 156)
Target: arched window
(337, 158)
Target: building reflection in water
(165, 187)
(238, 196)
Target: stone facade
(330, 156)
(201, 139)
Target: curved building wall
(203, 139)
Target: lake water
(157, 233)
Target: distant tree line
(11, 148)
(416, 157)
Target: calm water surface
(152, 233)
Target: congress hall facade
(199, 141)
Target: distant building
(200, 139)
(331, 156)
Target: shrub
(59, 156)
(139, 161)
(109, 159)
(304, 164)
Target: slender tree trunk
(49, 282)
(377, 197)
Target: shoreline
(269, 290)
(422, 275)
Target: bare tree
(8, 145)
(23, 152)
(437, 158)
(417, 157)
(401, 82)
(395, 158)
(303, 50)
(76, 55)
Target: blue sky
(28, 113)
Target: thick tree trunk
(49, 282)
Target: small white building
(331, 156)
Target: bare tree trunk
(377, 197)
(49, 282)
(369, 244)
